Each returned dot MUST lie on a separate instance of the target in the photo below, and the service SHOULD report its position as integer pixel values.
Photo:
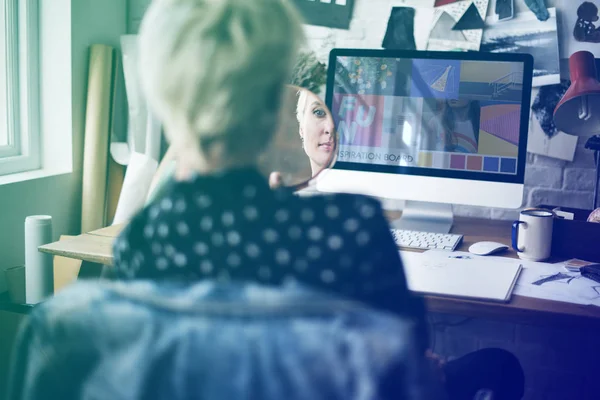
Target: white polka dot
(345, 261)
(252, 250)
(217, 239)
(206, 223)
(282, 215)
(180, 260)
(123, 244)
(156, 248)
(249, 192)
(282, 257)
(289, 280)
(335, 242)
(295, 232)
(307, 215)
(203, 201)
(327, 276)
(162, 263)
(180, 206)
(332, 211)
(169, 250)
(362, 238)
(367, 211)
(264, 272)
(149, 231)
(139, 256)
(137, 260)
(314, 252)
(163, 230)
(183, 229)
(233, 238)
(224, 276)
(301, 265)
(251, 213)
(234, 260)
(351, 225)
(206, 267)
(166, 204)
(270, 235)
(315, 233)
(227, 218)
(201, 248)
(154, 212)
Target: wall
(60, 196)
(548, 181)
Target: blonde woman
(213, 72)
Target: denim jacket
(143, 340)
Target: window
(19, 92)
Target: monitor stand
(425, 217)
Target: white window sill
(30, 175)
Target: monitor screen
(430, 115)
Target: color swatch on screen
(474, 163)
(458, 161)
(491, 164)
(425, 159)
(508, 165)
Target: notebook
(477, 279)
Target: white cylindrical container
(39, 270)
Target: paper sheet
(97, 131)
(453, 276)
(138, 177)
(443, 38)
(526, 34)
(572, 289)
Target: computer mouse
(487, 248)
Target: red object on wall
(439, 3)
(578, 112)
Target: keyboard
(426, 240)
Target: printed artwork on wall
(329, 13)
(446, 32)
(526, 34)
(544, 138)
(580, 27)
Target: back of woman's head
(213, 70)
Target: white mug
(532, 234)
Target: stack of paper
(538, 280)
(431, 273)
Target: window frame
(23, 97)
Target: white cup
(532, 234)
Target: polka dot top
(232, 226)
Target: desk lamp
(578, 112)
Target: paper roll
(39, 272)
(97, 132)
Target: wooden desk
(96, 247)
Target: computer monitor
(432, 128)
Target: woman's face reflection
(316, 130)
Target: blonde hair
(215, 70)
